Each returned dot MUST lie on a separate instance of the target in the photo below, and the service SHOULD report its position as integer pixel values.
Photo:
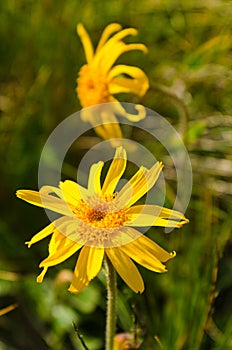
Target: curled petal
(123, 34)
(108, 31)
(112, 49)
(120, 111)
(137, 83)
(110, 53)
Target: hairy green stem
(111, 304)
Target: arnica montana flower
(98, 80)
(99, 221)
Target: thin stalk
(111, 304)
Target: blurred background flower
(98, 81)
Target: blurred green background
(189, 67)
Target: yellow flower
(98, 81)
(99, 221)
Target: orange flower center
(101, 212)
(92, 87)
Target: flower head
(98, 80)
(99, 221)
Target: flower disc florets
(92, 87)
(102, 212)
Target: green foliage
(189, 67)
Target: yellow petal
(147, 253)
(51, 189)
(91, 115)
(115, 171)
(120, 111)
(122, 34)
(113, 48)
(72, 192)
(129, 85)
(109, 54)
(126, 269)
(94, 182)
(148, 261)
(103, 119)
(94, 263)
(136, 84)
(109, 124)
(73, 229)
(86, 42)
(153, 215)
(57, 242)
(147, 220)
(126, 193)
(61, 236)
(41, 275)
(108, 31)
(68, 227)
(85, 269)
(42, 234)
(139, 184)
(156, 210)
(149, 246)
(61, 252)
(109, 131)
(45, 201)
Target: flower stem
(111, 304)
